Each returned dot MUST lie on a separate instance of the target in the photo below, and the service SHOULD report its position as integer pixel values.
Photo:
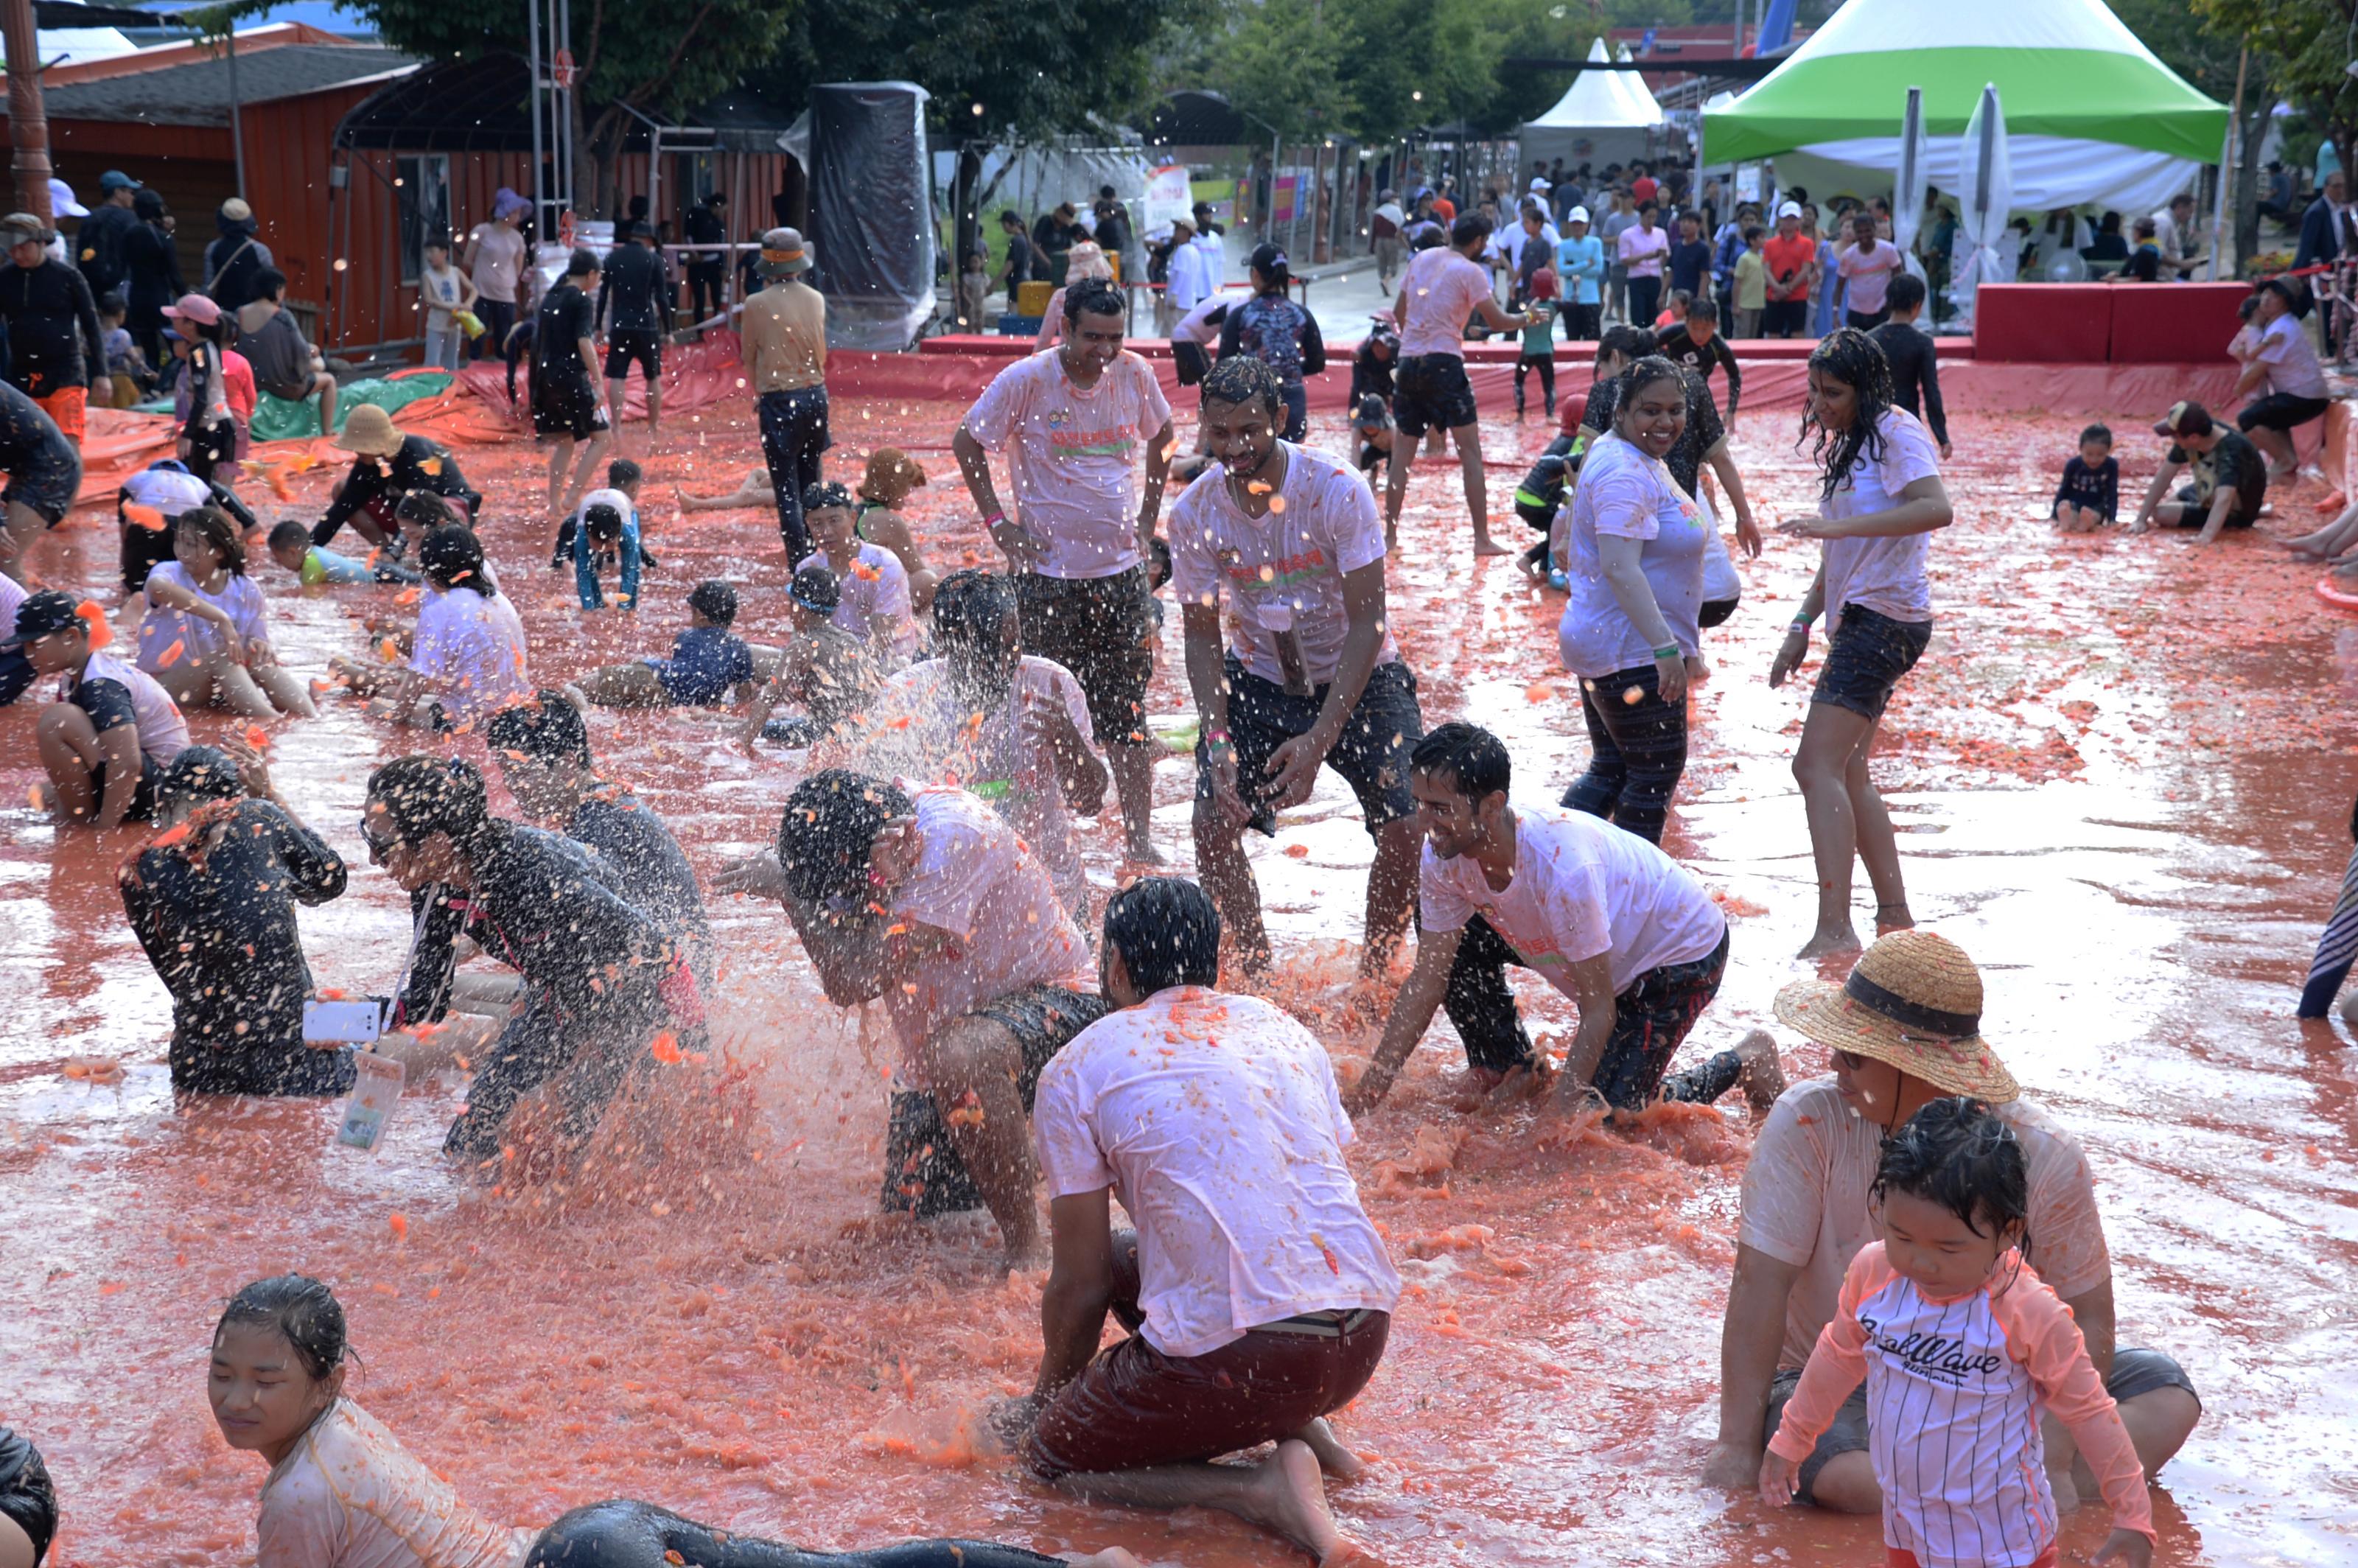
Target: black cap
(816, 590)
(46, 613)
(715, 601)
(200, 773)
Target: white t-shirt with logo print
(1322, 524)
(1074, 455)
(1581, 888)
(872, 598)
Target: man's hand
(252, 772)
(1294, 769)
(1011, 1419)
(2127, 1546)
(1227, 793)
(1023, 552)
(1731, 1466)
(1944, 451)
(756, 876)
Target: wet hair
(891, 475)
(1270, 261)
(1639, 374)
(1469, 227)
(290, 535)
(1093, 296)
(452, 556)
(1632, 343)
(582, 263)
(1851, 357)
(424, 509)
(200, 774)
(814, 588)
(830, 826)
(602, 521)
(546, 728)
(1372, 410)
(1905, 292)
(1957, 1153)
(2097, 433)
(1470, 758)
(1699, 308)
(215, 527)
(826, 496)
(1241, 379)
(715, 601)
(301, 1310)
(1166, 931)
(971, 606)
(622, 472)
(425, 795)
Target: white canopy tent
(1597, 122)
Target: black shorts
(1101, 629)
(625, 345)
(2197, 511)
(1431, 393)
(143, 799)
(565, 407)
(48, 483)
(923, 1174)
(2281, 411)
(16, 672)
(2135, 1372)
(1371, 754)
(1865, 658)
(1715, 611)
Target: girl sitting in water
(205, 636)
(343, 1493)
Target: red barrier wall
(2186, 323)
(2099, 323)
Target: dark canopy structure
(483, 105)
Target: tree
(2312, 43)
(2208, 56)
(1276, 67)
(655, 56)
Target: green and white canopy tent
(2091, 116)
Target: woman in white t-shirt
(205, 637)
(1632, 546)
(343, 1493)
(1881, 499)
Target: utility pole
(28, 123)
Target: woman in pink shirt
(1643, 251)
(1962, 1346)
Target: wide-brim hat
(1912, 1001)
(370, 431)
(784, 253)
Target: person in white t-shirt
(1905, 1030)
(467, 656)
(932, 902)
(1073, 421)
(2284, 369)
(1313, 676)
(1881, 500)
(1257, 1294)
(991, 719)
(872, 600)
(105, 740)
(1441, 290)
(1631, 935)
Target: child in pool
(1371, 424)
(343, 1493)
(708, 662)
(291, 548)
(2090, 495)
(205, 637)
(1954, 1436)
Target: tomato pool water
(2123, 775)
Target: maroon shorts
(1133, 1406)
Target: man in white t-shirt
(1443, 289)
(1072, 420)
(2175, 232)
(1313, 676)
(1905, 1030)
(105, 740)
(2284, 369)
(933, 903)
(1189, 277)
(1631, 935)
(1257, 1294)
(991, 719)
(1867, 266)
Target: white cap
(1539, 182)
(62, 203)
(1788, 209)
(1577, 216)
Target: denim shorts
(1865, 658)
(1431, 393)
(1371, 753)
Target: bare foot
(1391, 535)
(1486, 545)
(1763, 1078)
(1288, 1495)
(1144, 854)
(1333, 1457)
(1893, 917)
(1823, 941)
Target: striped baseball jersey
(1954, 1391)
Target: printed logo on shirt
(1069, 442)
(1283, 572)
(1936, 1357)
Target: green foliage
(1259, 66)
(2309, 44)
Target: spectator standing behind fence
(235, 262)
(152, 275)
(55, 344)
(496, 257)
(707, 225)
(99, 245)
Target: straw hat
(784, 253)
(370, 431)
(1913, 1002)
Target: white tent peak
(1874, 26)
(1632, 87)
(1595, 101)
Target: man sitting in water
(989, 717)
(1612, 923)
(1256, 1294)
(1905, 1030)
(2231, 477)
(939, 907)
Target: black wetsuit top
(651, 872)
(1915, 375)
(419, 465)
(216, 915)
(635, 293)
(53, 332)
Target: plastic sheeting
(2049, 171)
(871, 212)
(277, 419)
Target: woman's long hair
(1851, 357)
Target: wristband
(1670, 653)
(993, 521)
(1218, 738)
(1800, 624)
